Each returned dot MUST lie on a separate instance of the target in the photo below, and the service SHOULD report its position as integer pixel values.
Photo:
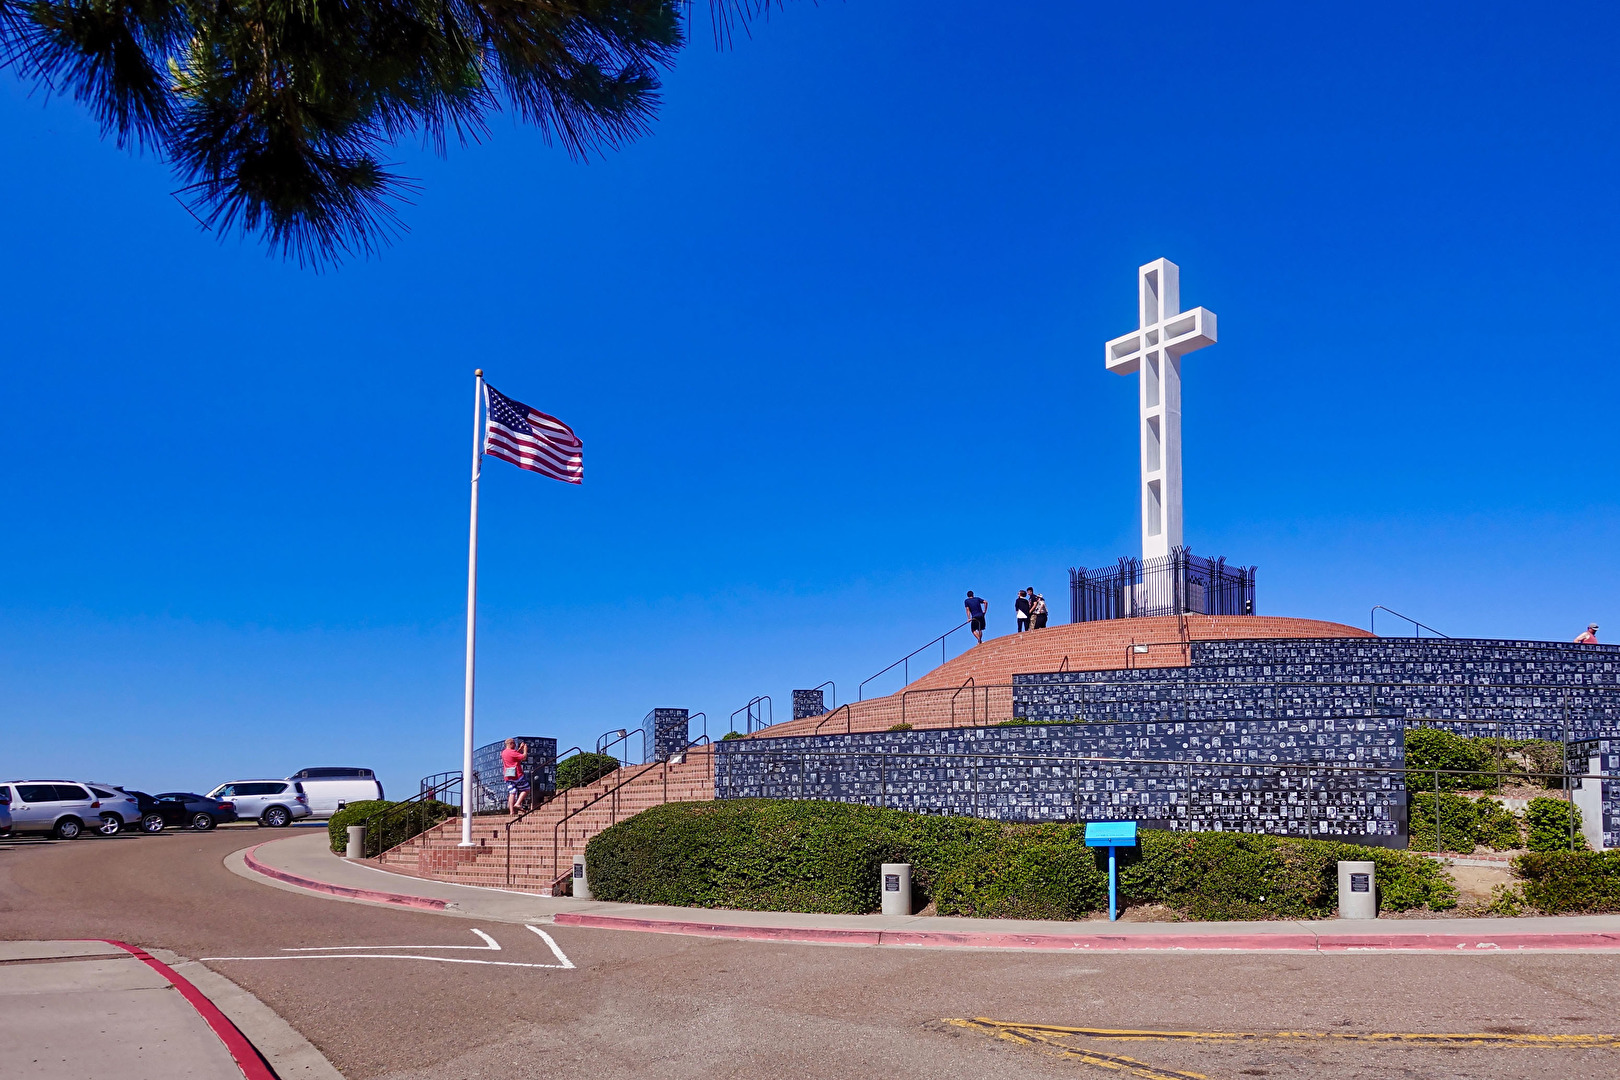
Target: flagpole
(468, 785)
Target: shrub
(1560, 882)
(788, 855)
(902, 726)
(1550, 826)
(390, 832)
(1431, 748)
(1523, 761)
(1464, 822)
(1249, 876)
(582, 769)
(728, 736)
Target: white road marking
(490, 945)
(567, 963)
(325, 953)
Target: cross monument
(1164, 334)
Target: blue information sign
(1112, 835)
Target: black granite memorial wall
(1290, 736)
(1325, 778)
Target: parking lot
(388, 993)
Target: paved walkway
(305, 864)
(88, 1010)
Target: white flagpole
(468, 786)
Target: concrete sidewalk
(304, 863)
(88, 1010)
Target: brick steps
(438, 853)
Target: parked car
(59, 808)
(119, 809)
(332, 786)
(199, 812)
(5, 811)
(151, 817)
(276, 803)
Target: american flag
(532, 440)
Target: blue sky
(832, 336)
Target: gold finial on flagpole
(478, 372)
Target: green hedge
(393, 832)
(1562, 882)
(1487, 762)
(1464, 822)
(1549, 825)
(785, 855)
(1249, 876)
(582, 769)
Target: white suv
(276, 803)
(60, 808)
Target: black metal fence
(1176, 584)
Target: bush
(1522, 761)
(1431, 748)
(1249, 876)
(582, 769)
(901, 727)
(1549, 825)
(1561, 882)
(1464, 822)
(391, 832)
(788, 855)
(728, 736)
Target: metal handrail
(625, 735)
(1372, 619)
(834, 686)
(906, 659)
(438, 781)
(534, 804)
(407, 808)
(848, 719)
(614, 791)
(748, 720)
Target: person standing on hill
(975, 608)
(1037, 612)
(1588, 636)
(517, 781)
(1021, 608)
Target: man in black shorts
(975, 608)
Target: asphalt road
(653, 1005)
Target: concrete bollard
(357, 842)
(896, 888)
(582, 884)
(1358, 890)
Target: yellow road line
(1035, 1039)
(1482, 1038)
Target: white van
(329, 786)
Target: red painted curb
(1104, 942)
(1468, 942)
(396, 899)
(242, 1052)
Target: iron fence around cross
(1179, 583)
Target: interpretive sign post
(1112, 835)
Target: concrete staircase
(569, 820)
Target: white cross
(1155, 348)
